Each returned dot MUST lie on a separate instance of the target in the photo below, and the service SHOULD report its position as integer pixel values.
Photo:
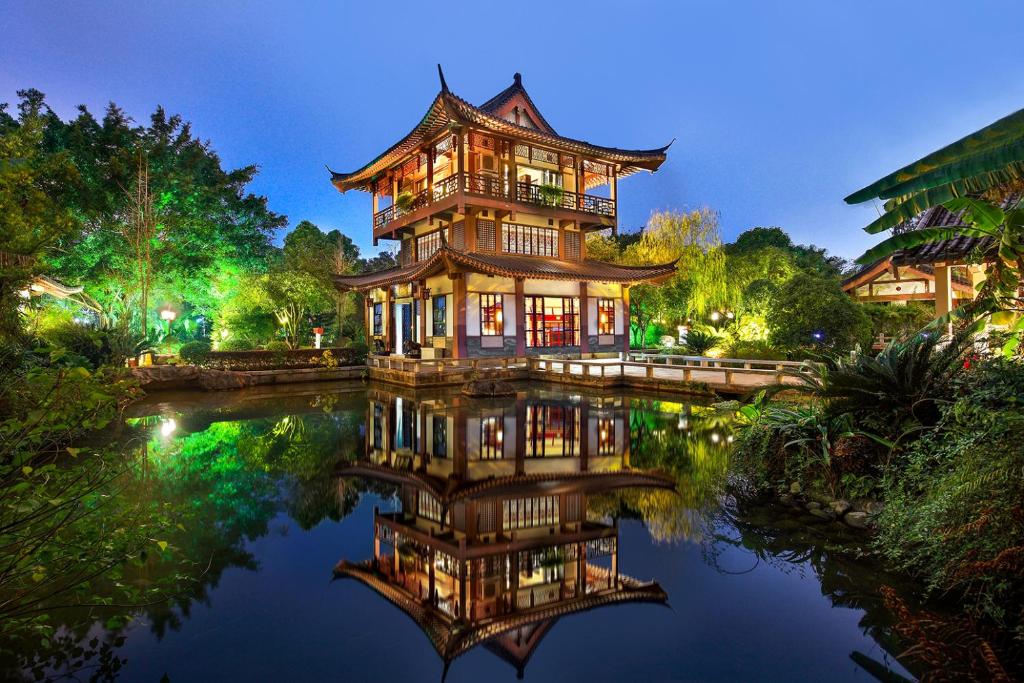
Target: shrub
(78, 345)
(898, 321)
(812, 311)
(699, 342)
(753, 350)
(194, 352)
(276, 345)
(235, 344)
(955, 502)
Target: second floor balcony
(491, 191)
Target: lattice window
(429, 507)
(523, 151)
(492, 436)
(440, 312)
(523, 513)
(552, 431)
(572, 246)
(568, 160)
(439, 428)
(552, 321)
(529, 240)
(485, 521)
(605, 436)
(481, 141)
(485, 239)
(491, 323)
(606, 316)
(405, 253)
(459, 235)
(572, 507)
(427, 245)
(544, 155)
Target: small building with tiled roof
(946, 273)
(491, 209)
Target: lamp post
(168, 314)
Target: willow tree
(692, 239)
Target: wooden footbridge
(639, 370)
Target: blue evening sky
(780, 108)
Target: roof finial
(444, 86)
(517, 78)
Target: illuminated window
(429, 507)
(606, 316)
(552, 431)
(524, 513)
(605, 436)
(552, 321)
(428, 244)
(440, 315)
(378, 319)
(492, 435)
(530, 240)
(491, 322)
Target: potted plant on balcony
(404, 201)
(551, 195)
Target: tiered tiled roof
(449, 109)
(507, 265)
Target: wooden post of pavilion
(459, 282)
(520, 321)
(423, 312)
(944, 292)
(584, 319)
(520, 435)
(387, 320)
(625, 322)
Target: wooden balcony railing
(498, 188)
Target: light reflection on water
(534, 536)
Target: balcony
(497, 193)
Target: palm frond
(957, 160)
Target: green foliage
(898, 322)
(699, 342)
(235, 344)
(276, 345)
(814, 312)
(551, 195)
(900, 389)
(194, 352)
(954, 497)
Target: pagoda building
(491, 208)
(492, 543)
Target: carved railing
(498, 188)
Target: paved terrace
(659, 372)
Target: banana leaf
(954, 160)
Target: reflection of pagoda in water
(492, 544)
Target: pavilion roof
(507, 265)
(451, 641)
(449, 110)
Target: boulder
(813, 505)
(858, 520)
(786, 499)
(822, 514)
(795, 488)
(840, 507)
(162, 377)
(487, 388)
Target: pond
(372, 532)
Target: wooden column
(460, 158)
(613, 185)
(520, 322)
(943, 292)
(388, 320)
(430, 172)
(520, 435)
(459, 294)
(584, 319)
(625, 318)
(584, 436)
(423, 312)
(431, 579)
(368, 320)
(513, 171)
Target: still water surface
(382, 534)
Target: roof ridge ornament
(444, 85)
(517, 78)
